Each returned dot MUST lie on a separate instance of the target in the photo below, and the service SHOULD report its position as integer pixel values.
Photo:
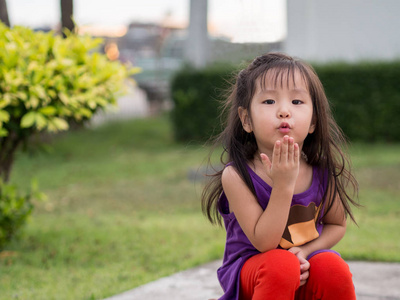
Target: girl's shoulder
(233, 178)
(229, 174)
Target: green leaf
(41, 121)
(3, 132)
(51, 126)
(48, 110)
(34, 101)
(60, 124)
(4, 116)
(40, 91)
(92, 104)
(28, 119)
(4, 103)
(64, 98)
(85, 112)
(23, 96)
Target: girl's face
(280, 106)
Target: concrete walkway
(132, 105)
(373, 281)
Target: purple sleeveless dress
(303, 226)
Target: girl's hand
(304, 264)
(284, 166)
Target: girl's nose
(283, 114)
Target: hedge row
(365, 99)
(197, 96)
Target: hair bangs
(282, 75)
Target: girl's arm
(333, 231)
(264, 229)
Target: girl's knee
(331, 272)
(282, 258)
(281, 265)
(269, 273)
(330, 264)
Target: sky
(240, 20)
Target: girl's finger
(276, 155)
(304, 276)
(296, 153)
(265, 160)
(305, 265)
(284, 151)
(291, 150)
(304, 268)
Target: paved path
(132, 105)
(373, 281)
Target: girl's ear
(245, 119)
(312, 125)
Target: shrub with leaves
(47, 82)
(197, 95)
(14, 209)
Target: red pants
(276, 275)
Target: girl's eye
(269, 101)
(297, 102)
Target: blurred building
(350, 30)
(153, 47)
(160, 50)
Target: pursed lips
(284, 127)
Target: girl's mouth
(284, 127)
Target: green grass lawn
(121, 212)
(377, 236)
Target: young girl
(283, 192)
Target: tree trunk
(4, 13)
(8, 147)
(67, 12)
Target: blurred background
(123, 192)
(156, 35)
(160, 36)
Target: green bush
(365, 99)
(46, 80)
(46, 83)
(15, 209)
(197, 96)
